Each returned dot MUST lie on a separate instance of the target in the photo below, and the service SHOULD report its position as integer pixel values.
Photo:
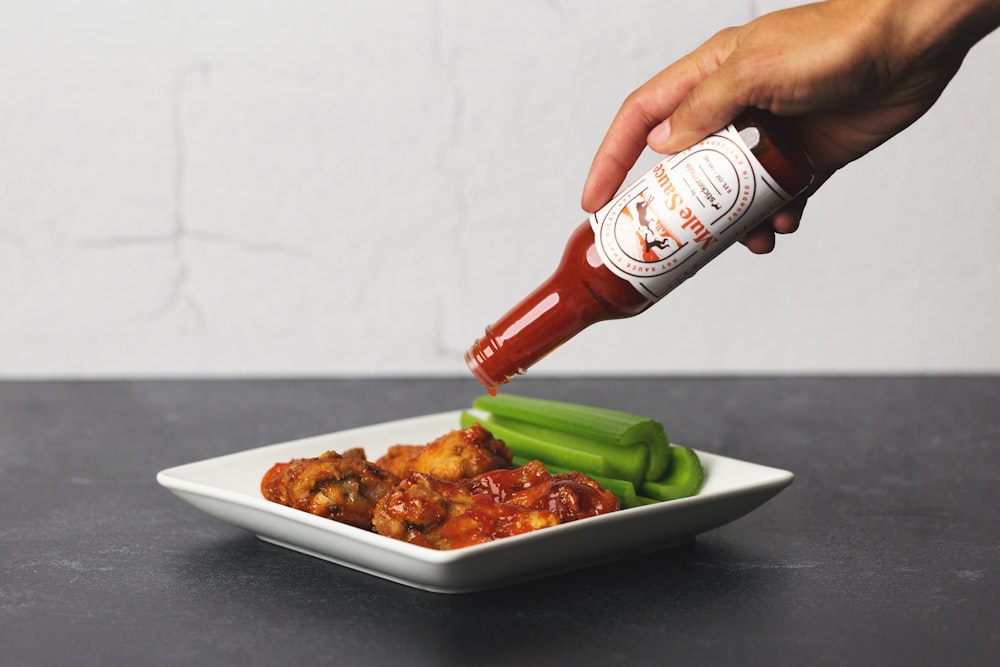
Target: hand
(846, 75)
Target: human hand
(845, 75)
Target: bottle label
(691, 206)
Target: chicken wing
(447, 515)
(444, 515)
(453, 456)
(343, 488)
(570, 496)
(455, 491)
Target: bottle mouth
(472, 360)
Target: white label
(687, 209)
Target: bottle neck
(581, 292)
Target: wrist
(937, 27)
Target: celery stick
(628, 463)
(612, 427)
(684, 479)
(624, 489)
(532, 448)
(659, 456)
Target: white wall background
(313, 187)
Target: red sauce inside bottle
(583, 291)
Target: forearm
(936, 28)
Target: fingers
(622, 145)
(786, 221)
(645, 109)
(710, 105)
(761, 239)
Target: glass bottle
(652, 236)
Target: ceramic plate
(228, 487)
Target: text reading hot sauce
(646, 241)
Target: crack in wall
(179, 293)
(182, 233)
(219, 238)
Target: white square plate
(228, 487)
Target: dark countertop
(883, 552)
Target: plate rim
(173, 479)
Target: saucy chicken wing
(453, 492)
(344, 488)
(444, 515)
(453, 456)
(570, 496)
(447, 515)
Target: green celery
(684, 479)
(628, 463)
(532, 448)
(603, 425)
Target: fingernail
(659, 134)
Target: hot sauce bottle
(647, 240)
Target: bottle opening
(478, 371)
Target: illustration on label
(688, 208)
